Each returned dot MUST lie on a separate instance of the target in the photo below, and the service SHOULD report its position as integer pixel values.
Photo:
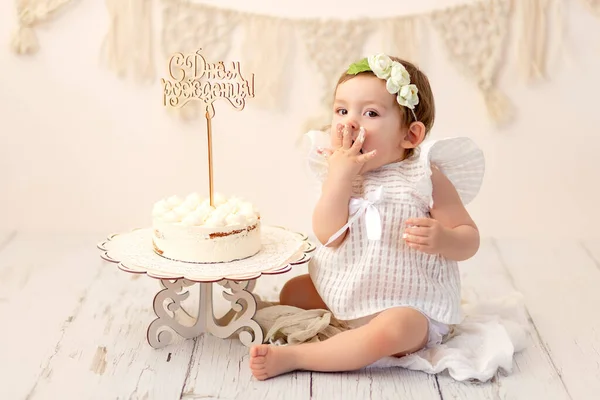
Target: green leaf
(358, 67)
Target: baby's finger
(418, 222)
(413, 239)
(336, 139)
(363, 158)
(347, 138)
(357, 145)
(416, 231)
(325, 152)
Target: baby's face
(364, 101)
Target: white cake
(192, 230)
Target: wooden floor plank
(534, 375)
(560, 281)
(471, 271)
(219, 370)
(43, 280)
(104, 353)
(375, 383)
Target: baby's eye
(342, 111)
(371, 114)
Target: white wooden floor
(73, 327)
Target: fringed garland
(532, 32)
(128, 46)
(265, 36)
(401, 37)
(476, 46)
(333, 44)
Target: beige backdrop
(81, 150)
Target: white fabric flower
(392, 86)
(381, 65)
(399, 77)
(408, 96)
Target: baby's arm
(462, 236)
(345, 162)
(331, 211)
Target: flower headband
(396, 76)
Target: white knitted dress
(373, 269)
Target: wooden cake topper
(191, 77)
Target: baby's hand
(346, 160)
(426, 235)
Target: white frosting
(197, 211)
(192, 230)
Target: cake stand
(133, 252)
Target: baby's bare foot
(268, 361)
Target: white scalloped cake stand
(133, 252)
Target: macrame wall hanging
(31, 13)
(475, 36)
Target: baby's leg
(300, 292)
(397, 331)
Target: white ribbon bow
(357, 207)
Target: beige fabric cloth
(292, 325)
